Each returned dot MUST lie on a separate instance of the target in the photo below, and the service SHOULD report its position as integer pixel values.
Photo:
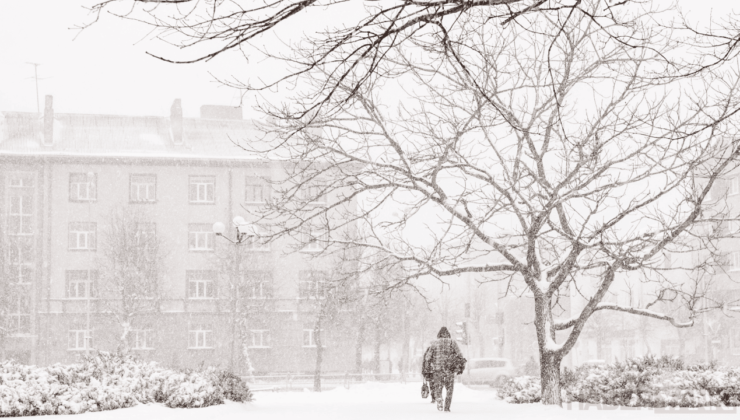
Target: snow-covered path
(380, 401)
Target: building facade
(66, 179)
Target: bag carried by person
(424, 389)
(457, 365)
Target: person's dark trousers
(430, 381)
(446, 380)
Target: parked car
(490, 371)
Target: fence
(297, 382)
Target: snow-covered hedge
(641, 382)
(107, 382)
(521, 390)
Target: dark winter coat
(426, 364)
(442, 353)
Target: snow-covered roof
(86, 135)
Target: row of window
(82, 236)
(81, 284)
(199, 337)
(201, 189)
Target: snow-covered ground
(381, 401)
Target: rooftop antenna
(36, 77)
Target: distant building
(62, 176)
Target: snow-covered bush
(107, 382)
(521, 390)
(656, 382)
(233, 387)
(641, 382)
(610, 384)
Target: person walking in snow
(443, 356)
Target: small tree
(130, 268)
(247, 297)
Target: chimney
(176, 122)
(49, 121)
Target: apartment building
(66, 179)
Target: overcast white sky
(105, 69)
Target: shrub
(105, 381)
(521, 390)
(232, 386)
(643, 382)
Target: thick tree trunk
(550, 378)
(549, 359)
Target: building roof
(22, 133)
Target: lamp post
(241, 233)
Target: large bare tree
(550, 155)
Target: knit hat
(443, 333)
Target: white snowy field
(381, 401)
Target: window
(146, 235)
(201, 189)
(81, 284)
(312, 284)
(143, 188)
(314, 194)
(82, 236)
(80, 339)
(735, 261)
(256, 242)
(201, 285)
(735, 185)
(309, 337)
(200, 336)
(259, 338)
(21, 258)
(83, 188)
(22, 181)
(19, 272)
(141, 339)
(21, 209)
(257, 285)
(19, 309)
(20, 250)
(256, 190)
(200, 237)
(314, 241)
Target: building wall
(54, 313)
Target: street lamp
(242, 232)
